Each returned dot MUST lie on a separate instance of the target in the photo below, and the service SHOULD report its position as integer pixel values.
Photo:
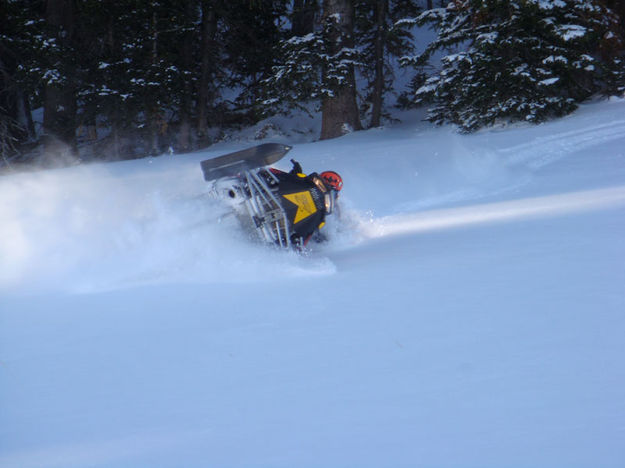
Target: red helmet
(332, 179)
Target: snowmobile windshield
(329, 200)
(329, 194)
(319, 183)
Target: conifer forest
(110, 80)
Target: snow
(550, 4)
(549, 81)
(467, 309)
(297, 40)
(554, 59)
(571, 31)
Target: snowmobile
(283, 208)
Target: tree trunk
(184, 133)
(59, 115)
(155, 121)
(303, 17)
(209, 29)
(116, 140)
(13, 105)
(28, 116)
(340, 111)
(377, 98)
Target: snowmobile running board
(229, 165)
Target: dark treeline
(133, 77)
(130, 78)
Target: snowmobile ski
(229, 165)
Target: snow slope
(468, 310)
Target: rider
(307, 199)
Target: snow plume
(57, 154)
(82, 229)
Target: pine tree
(339, 111)
(381, 41)
(209, 67)
(319, 68)
(249, 51)
(112, 62)
(16, 125)
(302, 17)
(517, 60)
(140, 72)
(59, 115)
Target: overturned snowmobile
(284, 208)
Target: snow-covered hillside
(468, 309)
